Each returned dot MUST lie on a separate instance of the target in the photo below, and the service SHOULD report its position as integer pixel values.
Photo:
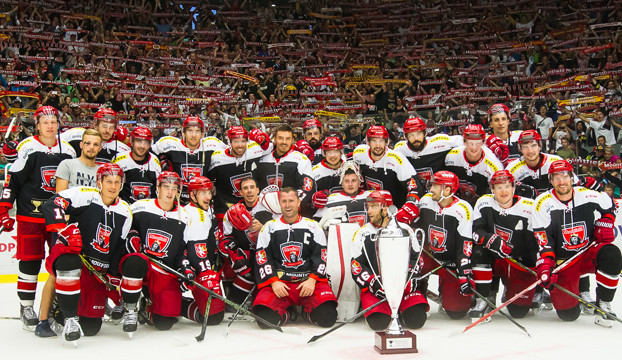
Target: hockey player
(326, 173)
(202, 256)
(448, 222)
(502, 229)
(473, 163)
(312, 131)
(502, 142)
(188, 157)
(159, 229)
(229, 166)
(565, 223)
(141, 167)
(285, 167)
(30, 182)
(365, 271)
(427, 155)
(385, 169)
(98, 225)
(290, 267)
(351, 195)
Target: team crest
(252, 236)
(574, 236)
(438, 238)
(188, 171)
(307, 184)
(276, 179)
(61, 203)
(158, 242)
(467, 248)
(425, 174)
(292, 252)
(48, 175)
(356, 267)
(261, 258)
(373, 184)
(235, 183)
(505, 234)
(101, 242)
(541, 237)
(140, 190)
(201, 250)
(357, 217)
(324, 255)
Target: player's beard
(315, 144)
(417, 145)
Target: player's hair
(92, 132)
(288, 189)
(284, 127)
(248, 178)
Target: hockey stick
(482, 297)
(96, 273)
(201, 336)
(569, 293)
(172, 271)
(238, 312)
(538, 282)
(362, 312)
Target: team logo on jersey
(292, 252)
(505, 234)
(438, 238)
(356, 267)
(412, 185)
(468, 190)
(307, 184)
(48, 175)
(425, 173)
(373, 184)
(201, 250)
(235, 183)
(140, 190)
(357, 217)
(324, 255)
(541, 237)
(158, 242)
(101, 242)
(276, 179)
(252, 236)
(574, 235)
(467, 248)
(261, 258)
(188, 171)
(61, 203)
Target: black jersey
(290, 252)
(103, 228)
(537, 177)
(474, 178)
(326, 178)
(110, 149)
(31, 179)
(140, 177)
(247, 239)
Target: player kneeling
(290, 268)
(103, 221)
(364, 269)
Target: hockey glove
(304, 147)
(320, 198)
(239, 262)
(498, 246)
(260, 138)
(603, 229)
(408, 213)
(188, 272)
(223, 247)
(133, 242)
(375, 287)
(70, 237)
(590, 183)
(545, 266)
(498, 147)
(10, 151)
(466, 284)
(5, 220)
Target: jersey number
(266, 270)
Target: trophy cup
(393, 248)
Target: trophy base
(396, 344)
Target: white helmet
(349, 165)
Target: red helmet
(380, 196)
(193, 121)
(45, 110)
(499, 108)
(141, 133)
(501, 177)
(332, 143)
(240, 217)
(474, 132)
(106, 115)
(311, 123)
(109, 169)
(559, 166)
(377, 131)
(200, 183)
(237, 132)
(414, 124)
(169, 177)
(446, 178)
(528, 136)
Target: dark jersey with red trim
(201, 240)
(103, 228)
(247, 239)
(474, 178)
(392, 173)
(227, 171)
(537, 177)
(326, 178)
(449, 231)
(513, 225)
(162, 233)
(73, 136)
(290, 252)
(512, 143)
(356, 206)
(432, 158)
(110, 149)
(364, 263)
(140, 177)
(563, 229)
(32, 177)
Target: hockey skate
(29, 317)
(130, 322)
(602, 319)
(144, 316)
(117, 314)
(541, 301)
(44, 329)
(479, 310)
(72, 330)
(585, 296)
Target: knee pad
(30, 267)
(378, 321)
(571, 314)
(163, 322)
(134, 267)
(68, 262)
(325, 315)
(267, 314)
(415, 316)
(609, 260)
(90, 326)
(518, 312)
(456, 315)
(215, 319)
